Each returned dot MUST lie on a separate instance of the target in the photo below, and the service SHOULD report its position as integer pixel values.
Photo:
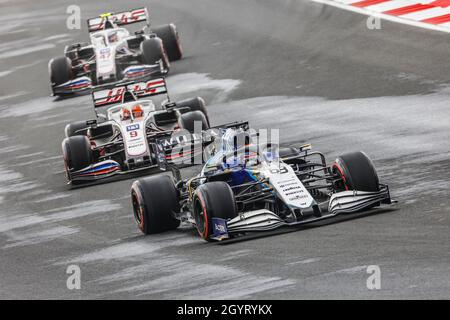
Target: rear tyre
(60, 70)
(101, 132)
(77, 153)
(152, 51)
(155, 200)
(357, 172)
(195, 104)
(78, 128)
(189, 119)
(171, 39)
(213, 200)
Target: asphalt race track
(314, 72)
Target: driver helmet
(113, 37)
(125, 114)
(137, 111)
(238, 149)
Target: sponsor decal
(133, 127)
(134, 146)
(104, 51)
(219, 227)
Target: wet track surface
(314, 72)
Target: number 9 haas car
(244, 188)
(121, 139)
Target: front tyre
(155, 200)
(212, 200)
(60, 70)
(357, 172)
(77, 154)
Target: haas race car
(122, 139)
(114, 54)
(245, 187)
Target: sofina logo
(105, 51)
(219, 227)
(133, 127)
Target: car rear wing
(119, 19)
(115, 94)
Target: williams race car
(114, 54)
(245, 188)
(122, 139)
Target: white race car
(114, 54)
(245, 188)
(122, 140)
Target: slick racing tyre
(60, 70)
(188, 120)
(169, 35)
(78, 128)
(101, 132)
(155, 200)
(357, 172)
(195, 104)
(77, 153)
(213, 200)
(153, 50)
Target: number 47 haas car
(244, 188)
(123, 140)
(114, 54)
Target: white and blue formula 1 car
(121, 139)
(114, 54)
(245, 188)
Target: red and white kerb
(430, 14)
